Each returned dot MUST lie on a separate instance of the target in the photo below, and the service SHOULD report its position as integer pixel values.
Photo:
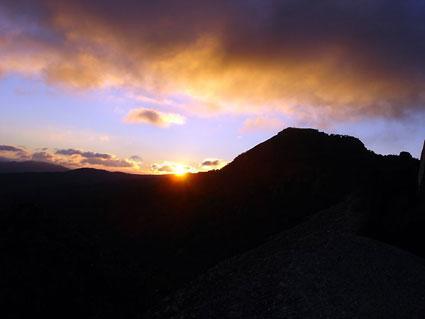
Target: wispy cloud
(154, 117)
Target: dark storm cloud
(342, 58)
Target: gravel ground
(320, 269)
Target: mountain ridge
(127, 241)
(7, 166)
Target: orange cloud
(328, 61)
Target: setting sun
(180, 170)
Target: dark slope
(320, 269)
(110, 245)
(29, 166)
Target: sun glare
(180, 170)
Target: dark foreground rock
(320, 269)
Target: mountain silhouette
(305, 224)
(29, 166)
(421, 175)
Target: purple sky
(156, 88)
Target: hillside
(322, 268)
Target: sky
(172, 86)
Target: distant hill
(29, 167)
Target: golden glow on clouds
(176, 168)
(218, 87)
(337, 78)
(168, 167)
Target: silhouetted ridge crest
(294, 151)
(30, 167)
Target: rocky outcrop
(320, 269)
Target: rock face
(421, 177)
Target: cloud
(162, 168)
(94, 158)
(43, 157)
(106, 162)
(14, 153)
(212, 163)
(153, 117)
(172, 168)
(70, 152)
(72, 158)
(136, 159)
(332, 59)
(262, 123)
(8, 148)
